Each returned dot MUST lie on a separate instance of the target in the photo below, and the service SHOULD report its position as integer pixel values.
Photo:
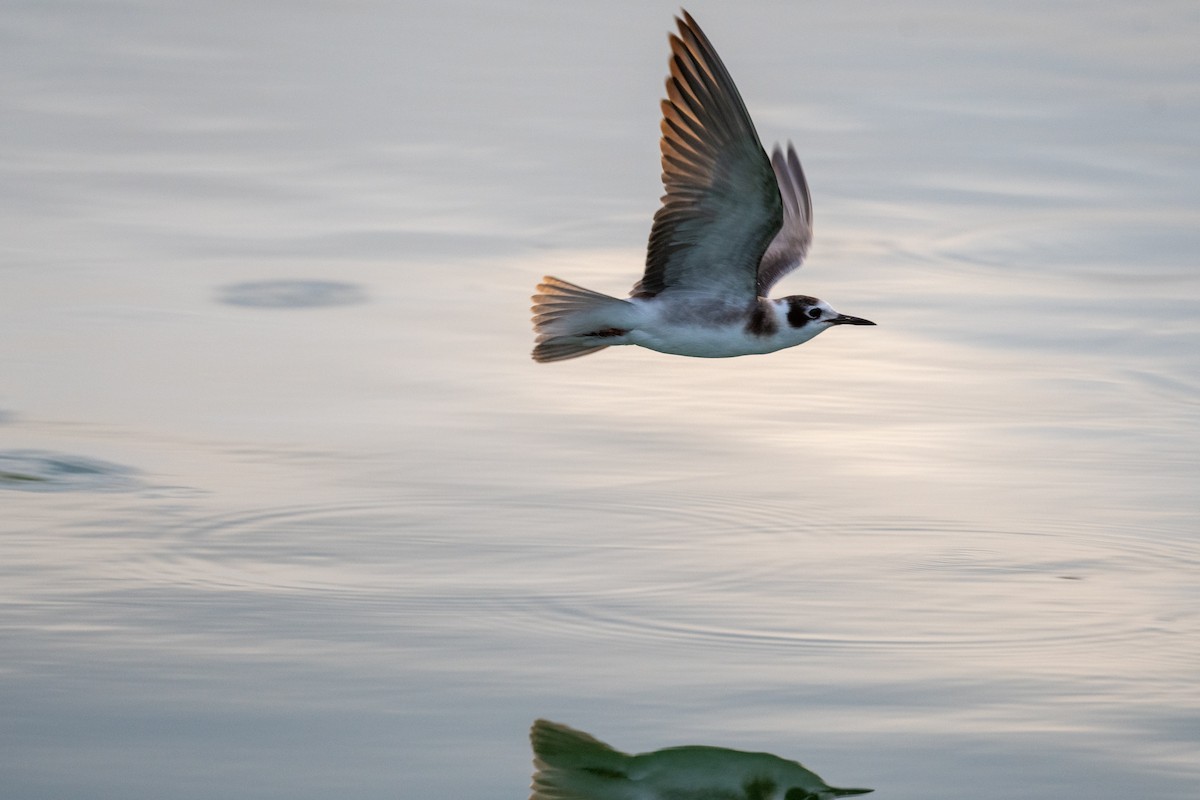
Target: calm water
(287, 511)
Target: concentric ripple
(668, 570)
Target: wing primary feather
(700, 92)
(722, 206)
(714, 65)
(787, 250)
(787, 189)
(683, 138)
(798, 173)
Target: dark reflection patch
(760, 789)
(797, 793)
(41, 471)
(291, 294)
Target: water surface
(289, 512)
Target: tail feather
(544, 352)
(571, 321)
(571, 765)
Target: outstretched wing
(722, 205)
(787, 249)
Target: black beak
(846, 319)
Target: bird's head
(812, 315)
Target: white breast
(705, 327)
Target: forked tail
(574, 766)
(571, 321)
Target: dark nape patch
(760, 789)
(762, 321)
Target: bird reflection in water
(571, 765)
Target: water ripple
(670, 570)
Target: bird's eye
(814, 313)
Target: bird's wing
(722, 205)
(787, 249)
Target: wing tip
(685, 20)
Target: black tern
(733, 222)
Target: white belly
(707, 327)
(703, 342)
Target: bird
(733, 221)
(571, 765)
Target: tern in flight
(733, 222)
